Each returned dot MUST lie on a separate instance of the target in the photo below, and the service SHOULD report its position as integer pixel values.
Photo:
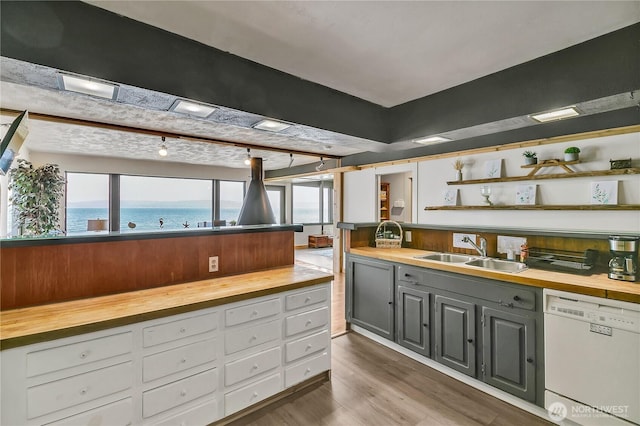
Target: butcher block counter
(598, 285)
(46, 322)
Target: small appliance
(624, 258)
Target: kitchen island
(194, 352)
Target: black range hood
(256, 209)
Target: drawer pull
(255, 395)
(183, 392)
(307, 300)
(254, 313)
(470, 340)
(530, 360)
(309, 346)
(516, 298)
(183, 360)
(308, 323)
(83, 355)
(307, 371)
(182, 330)
(83, 391)
(254, 337)
(255, 367)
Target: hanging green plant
(36, 195)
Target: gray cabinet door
(370, 296)
(455, 334)
(413, 319)
(509, 352)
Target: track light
(321, 165)
(163, 149)
(290, 159)
(247, 161)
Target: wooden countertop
(28, 325)
(598, 285)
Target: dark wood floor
(373, 385)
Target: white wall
(595, 155)
(360, 196)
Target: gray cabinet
(369, 295)
(509, 352)
(455, 331)
(413, 319)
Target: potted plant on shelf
(571, 153)
(36, 195)
(530, 157)
(458, 165)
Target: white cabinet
(185, 369)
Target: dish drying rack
(563, 260)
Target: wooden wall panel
(52, 273)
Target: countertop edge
(286, 278)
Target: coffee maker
(624, 258)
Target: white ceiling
(387, 52)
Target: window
(230, 197)
(153, 203)
(276, 199)
(311, 202)
(87, 199)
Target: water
(146, 219)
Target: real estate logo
(557, 411)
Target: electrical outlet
(213, 264)
(407, 236)
(457, 240)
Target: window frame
(321, 185)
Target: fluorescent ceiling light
(88, 86)
(558, 114)
(192, 108)
(271, 125)
(432, 139)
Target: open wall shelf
(631, 171)
(541, 207)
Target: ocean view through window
(87, 199)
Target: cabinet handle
(182, 330)
(183, 392)
(254, 313)
(255, 367)
(425, 325)
(183, 360)
(407, 275)
(83, 391)
(309, 346)
(307, 300)
(255, 395)
(391, 303)
(308, 323)
(516, 298)
(254, 337)
(530, 360)
(470, 340)
(83, 355)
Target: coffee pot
(624, 258)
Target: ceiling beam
(160, 133)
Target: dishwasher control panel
(603, 314)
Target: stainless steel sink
(498, 265)
(446, 257)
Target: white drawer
(204, 414)
(306, 346)
(174, 394)
(251, 366)
(119, 413)
(252, 312)
(251, 394)
(53, 396)
(238, 340)
(306, 298)
(179, 359)
(179, 329)
(306, 369)
(306, 321)
(61, 357)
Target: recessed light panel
(192, 108)
(558, 114)
(271, 125)
(88, 86)
(432, 139)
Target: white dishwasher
(592, 359)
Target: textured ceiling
(387, 52)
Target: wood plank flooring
(372, 385)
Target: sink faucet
(483, 245)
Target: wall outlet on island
(213, 264)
